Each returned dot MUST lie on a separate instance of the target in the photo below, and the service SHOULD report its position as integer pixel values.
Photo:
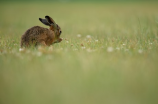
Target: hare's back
(34, 35)
(36, 31)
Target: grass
(112, 61)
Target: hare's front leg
(43, 43)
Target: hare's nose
(59, 40)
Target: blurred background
(84, 0)
(108, 54)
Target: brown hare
(42, 36)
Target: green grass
(116, 65)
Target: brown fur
(41, 36)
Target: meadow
(109, 54)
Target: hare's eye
(60, 32)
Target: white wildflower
(67, 41)
(83, 47)
(140, 51)
(110, 49)
(21, 49)
(88, 41)
(96, 41)
(78, 35)
(123, 44)
(88, 36)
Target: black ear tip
(40, 19)
(46, 16)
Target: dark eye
(60, 32)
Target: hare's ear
(51, 21)
(44, 21)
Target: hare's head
(53, 26)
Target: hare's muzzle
(59, 40)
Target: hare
(42, 36)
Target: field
(109, 54)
